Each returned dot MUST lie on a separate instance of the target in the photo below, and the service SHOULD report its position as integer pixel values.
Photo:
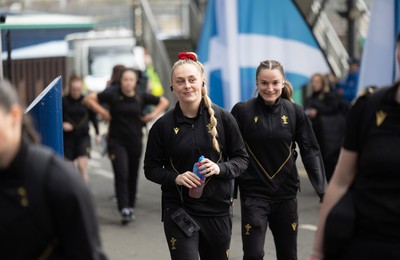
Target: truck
(93, 54)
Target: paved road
(144, 238)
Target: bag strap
(37, 162)
(290, 107)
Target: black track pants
(280, 216)
(212, 242)
(125, 162)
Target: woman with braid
(195, 127)
(271, 126)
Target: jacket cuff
(222, 170)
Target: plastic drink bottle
(196, 192)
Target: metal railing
(330, 43)
(156, 48)
(164, 20)
(328, 39)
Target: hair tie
(187, 56)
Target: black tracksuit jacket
(272, 172)
(175, 144)
(65, 211)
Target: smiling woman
(195, 127)
(268, 189)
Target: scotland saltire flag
(238, 34)
(378, 62)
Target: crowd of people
(342, 148)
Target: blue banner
(238, 34)
(46, 112)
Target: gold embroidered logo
(24, 199)
(285, 119)
(255, 118)
(294, 226)
(176, 130)
(247, 227)
(173, 243)
(227, 253)
(380, 117)
(209, 127)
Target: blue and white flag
(238, 34)
(378, 62)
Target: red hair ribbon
(187, 55)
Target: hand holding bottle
(196, 192)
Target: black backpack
(37, 162)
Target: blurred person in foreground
(368, 165)
(46, 208)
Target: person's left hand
(209, 168)
(97, 139)
(146, 118)
(312, 112)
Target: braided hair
(191, 58)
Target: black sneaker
(126, 216)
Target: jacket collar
(17, 166)
(181, 119)
(261, 103)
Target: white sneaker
(126, 216)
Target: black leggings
(125, 162)
(280, 216)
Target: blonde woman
(195, 127)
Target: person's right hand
(316, 256)
(106, 115)
(313, 257)
(67, 127)
(312, 112)
(188, 179)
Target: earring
(171, 88)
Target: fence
(31, 76)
